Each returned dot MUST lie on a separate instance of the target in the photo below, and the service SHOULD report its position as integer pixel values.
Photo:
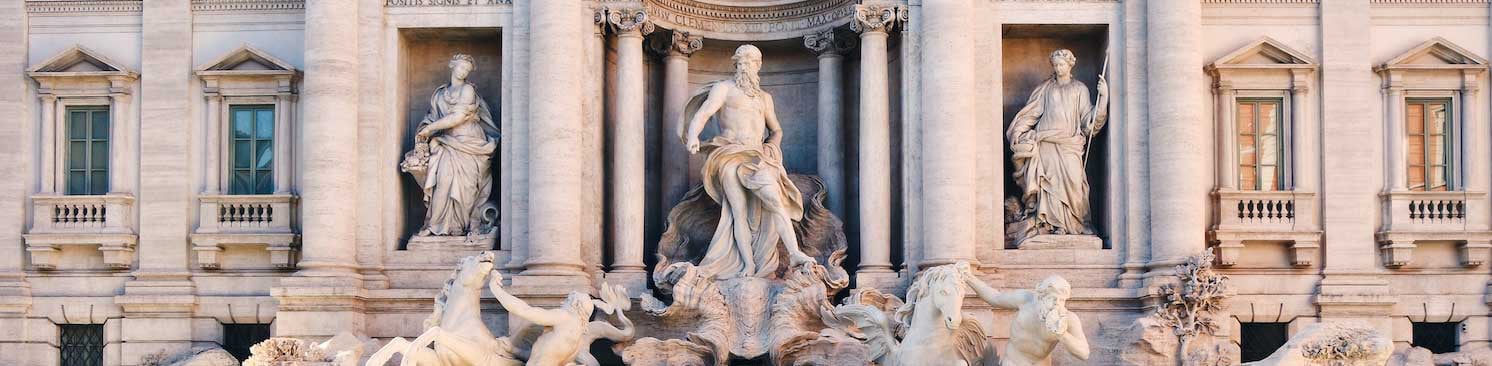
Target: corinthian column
(948, 141)
(1179, 179)
(831, 114)
(555, 130)
(675, 94)
(873, 21)
(329, 141)
(628, 154)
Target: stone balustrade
(245, 220)
(105, 221)
(1414, 217)
(1266, 216)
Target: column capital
(876, 18)
(627, 20)
(825, 43)
(679, 43)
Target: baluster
(1461, 210)
(1290, 210)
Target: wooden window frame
(1282, 145)
(1452, 148)
(66, 153)
(230, 142)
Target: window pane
(77, 182)
(1437, 118)
(1267, 177)
(1414, 146)
(100, 125)
(1247, 178)
(1247, 154)
(99, 155)
(98, 182)
(77, 125)
(241, 157)
(1416, 178)
(264, 154)
(243, 123)
(265, 123)
(264, 182)
(77, 155)
(241, 183)
(1414, 118)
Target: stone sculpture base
(1053, 241)
(453, 242)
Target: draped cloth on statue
(758, 168)
(458, 181)
(1048, 157)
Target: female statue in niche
(452, 158)
(1049, 139)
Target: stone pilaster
(675, 158)
(628, 149)
(515, 138)
(373, 115)
(16, 160)
(1180, 180)
(555, 162)
(1353, 287)
(161, 294)
(948, 133)
(325, 296)
(874, 22)
(830, 139)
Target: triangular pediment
(249, 60)
(1436, 53)
(79, 60)
(1265, 52)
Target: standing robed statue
(452, 158)
(1049, 140)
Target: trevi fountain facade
(745, 182)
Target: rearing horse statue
(930, 324)
(456, 328)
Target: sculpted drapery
(452, 158)
(1048, 140)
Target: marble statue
(452, 158)
(1049, 140)
(455, 326)
(1041, 323)
(744, 173)
(928, 329)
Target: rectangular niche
(1025, 59)
(424, 57)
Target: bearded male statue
(1041, 321)
(744, 174)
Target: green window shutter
(252, 149)
(87, 150)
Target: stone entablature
(781, 20)
(1266, 68)
(1435, 69)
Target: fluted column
(830, 115)
(873, 22)
(1179, 178)
(628, 149)
(555, 128)
(948, 141)
(675, 94)
(329, 139)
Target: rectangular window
(1429, 144)
(1261, 148)
(1437, 337)
(237, 338)
(252, 149)
(87, 150)
(1258, 340)
(82, 344)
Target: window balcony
(1414, 217)
(245, 220)
(105, 221)
(1266, 216)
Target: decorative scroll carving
(826, 41)
(678, 43)
(750, 22)
(875, 18)
(629, 19)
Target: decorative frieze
(418, 3)
(247, 5)
(83, 6)
(748, 22)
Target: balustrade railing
(81, 214)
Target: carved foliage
(1190, 304)
(280, 350)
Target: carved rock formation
(1333, 344)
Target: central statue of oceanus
(744, 174)
(1049, 140)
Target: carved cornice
(83, 6)
(826, 42)
(1260, 2)
(875, 18)
(623, 20)
(1429, 2)
(247, 5)
(781, 20)
(419, 3)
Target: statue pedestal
(1052, 241)
(453, 242)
